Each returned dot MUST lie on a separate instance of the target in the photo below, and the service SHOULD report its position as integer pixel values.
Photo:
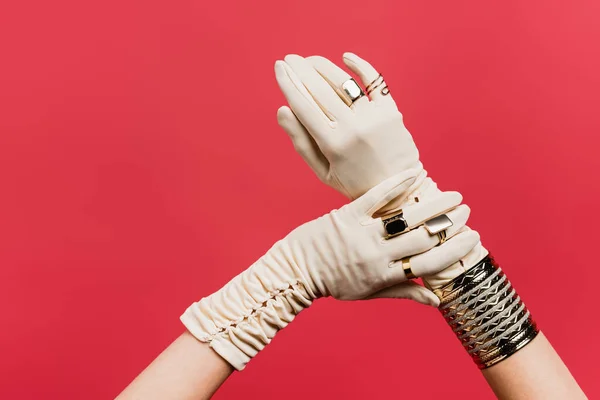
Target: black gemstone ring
(395, 225)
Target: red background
(134, 135)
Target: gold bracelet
(486, 314)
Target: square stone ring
(397, 225)
(352, 91)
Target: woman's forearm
(498, 331)
(187, 369)
(534, 372)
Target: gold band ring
(406, 268)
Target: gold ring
(442, 236)
(373, 81)
(406, 268)
(374, 84)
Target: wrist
(240, 319)
(486, 314)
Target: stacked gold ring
(377, 82)
(406, 268)
(442, 235)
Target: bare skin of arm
(534, 372)
(189, 369)
(186, 370)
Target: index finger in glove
(325, 96)
(420, 240)
(433, 206)
(302, 103)
(416, 214)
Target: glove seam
(255, 311)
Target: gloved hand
(352, 148)
(342, 254)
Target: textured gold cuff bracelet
(486, 314)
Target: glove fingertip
(349, 56)
(283, 113)
(279, 65)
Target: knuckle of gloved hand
(331, 145)
(373, 282)
(339, 150)
(369, 254)
(359, 138)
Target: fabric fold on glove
(242, 318)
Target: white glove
(341, 254)
(352, 148)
